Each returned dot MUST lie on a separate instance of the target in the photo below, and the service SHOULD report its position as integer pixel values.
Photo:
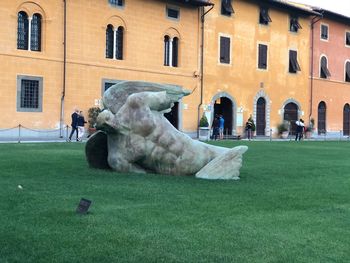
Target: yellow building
(57, 55)
(256, 63)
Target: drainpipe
(64, 65)
(314, 20)
(202, 62)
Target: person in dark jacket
(215, 126)
(81, 124)
(74, 124)
(249, 128)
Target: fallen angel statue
(134, 136)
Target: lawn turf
(292, 204)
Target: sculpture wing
(115, 97)
(225, 166)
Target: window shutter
(262, 59)
(348, 38)
(264, 16)
(226, 7)
(294, 24)
(347, 72)
(293, 62)
(225, 50)
(324, 32)
(324, 69)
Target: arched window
(321, 125)
(166, 51)
(22, 31)
(109, 41)
(346, 119)
(119, 43)
(175, 51)
(35, 34)
(324, 72)
(171, 51)
(347, 71)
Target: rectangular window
(173, 13)
(264, 17)
(226, 8)
(293, 61)
(107, 83)
(324, 32)
(294, 25)
(347, 38)
(29, 94)
(262, 57)
(116, 2)
(225, 50)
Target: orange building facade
(58, 55)
(255, 60)
(257, 64)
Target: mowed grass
(292, 204)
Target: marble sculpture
(134, 136)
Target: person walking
(300, 129)
(215, 127)
(221, 127)
(74, 124)
(81, 124)
(249, 129)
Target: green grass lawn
(292, 204)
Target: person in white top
(300, 129)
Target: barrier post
(19, 133)
(270, 135)
(67, 133)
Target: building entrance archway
(321, 121)
(224, 106)
(291, 115)
(260, 116)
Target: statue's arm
(157, 101)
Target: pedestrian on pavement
(81, 124)
(74, 124)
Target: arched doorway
(260, 117)
(321, 123)
(223, 106)
(346, 120)
(291, 115)
(173, 115)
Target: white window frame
(219, 46)
(174, 8)
(346, 31)
(328, 31)
(257, 56)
